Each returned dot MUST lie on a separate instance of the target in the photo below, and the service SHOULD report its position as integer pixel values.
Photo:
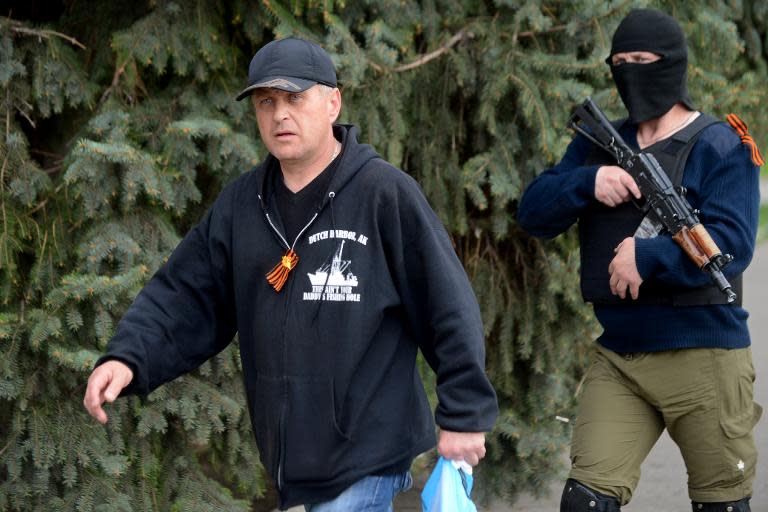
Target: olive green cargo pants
(704, 397)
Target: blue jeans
(369, 494)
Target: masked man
(673, 353)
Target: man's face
(620, 58)
(296, 127)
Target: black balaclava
(650, 90)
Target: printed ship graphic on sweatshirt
(334, 273)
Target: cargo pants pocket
(738, 413)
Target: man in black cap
(674, 353)
(334, 270)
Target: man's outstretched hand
(466, 446)
(105, 384)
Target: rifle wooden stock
(697, 244)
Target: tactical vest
(602, 228)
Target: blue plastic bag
(448, 488)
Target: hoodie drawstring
(331, 195)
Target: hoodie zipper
(281, 435)
(282, 238)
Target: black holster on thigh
(724, 506)
(580, 498)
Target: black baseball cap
(290, 64)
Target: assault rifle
(664, 206)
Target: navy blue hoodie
(329, 361)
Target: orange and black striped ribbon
(279, 275)
(741, 128)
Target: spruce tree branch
(531, 33)
(539, 113)
(492, 253)
(44, 33)
(560, 28)
(42, 203)
(25, 116)
(427, 57)
(601, 33)
(7, 445)
(460, 35)
(39, 206)
(115, 80)
(5, 161)
(57, 156)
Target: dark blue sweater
(722, 182)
